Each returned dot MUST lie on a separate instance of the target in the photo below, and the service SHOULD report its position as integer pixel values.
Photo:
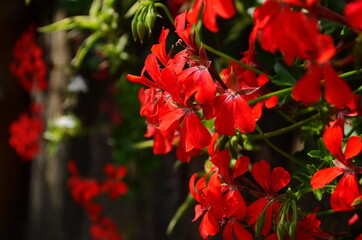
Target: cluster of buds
(144, 20)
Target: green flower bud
(150, 18)
(141, 31)
(134, 29)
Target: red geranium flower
(25, 136)
(28, 65)
(347, 188)
(271, 182)
(353, 13)
(210, 204)
(308, 229)
(336, 90)
(212, 9)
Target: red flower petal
(240, 232)
(198, 212)
(209, 225)
(225, 8)
(262, 174)
(353, 13)
(255, 209)
(227, 233)
(241, 166)
(159, 50)
(325, 176)
(337, 91)
(222, 161)
(280, 178)
(307, 88)
(193, 15)
(169, 83)
(353, 147)
(332, 138)
(197, 134)
(345, 193)
(167, 118)
(235, 204)
(207, 87)
(225, 121)
(244, 117)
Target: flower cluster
(26, 132)
(180, 97)
(85, 190)
(221, 201)
(28, 65)
(30, 70)
(188, 102)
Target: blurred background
(36, 201)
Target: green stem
(321, 213)
(358, 90)
(165, 9)
(280, 151)
(283, 130)
(272, 94)
(350, 73)
(143, 144)
(229, 58)
(352, 130)
(189, 201)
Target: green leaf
(283, 76)
(294, 222)
(303, 178)
(318, 193)
(83, 22)
(314, 154)
(324, 153)
(261, 219)
(208, 123)
(311, 169)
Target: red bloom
(336, 91)
(231, 108)
(104, 229)
(353, 13)
(218, 204)
(235, 210)
(221, 160)
(347, 188)
(25, 136)
(276, 27)
(84, 190)
(114, 186)
(271, 182)
(211, 204)
(234, 204)
(28, 65)
(168, 106)
(212, 9)
(307, 229)
(359, 237)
